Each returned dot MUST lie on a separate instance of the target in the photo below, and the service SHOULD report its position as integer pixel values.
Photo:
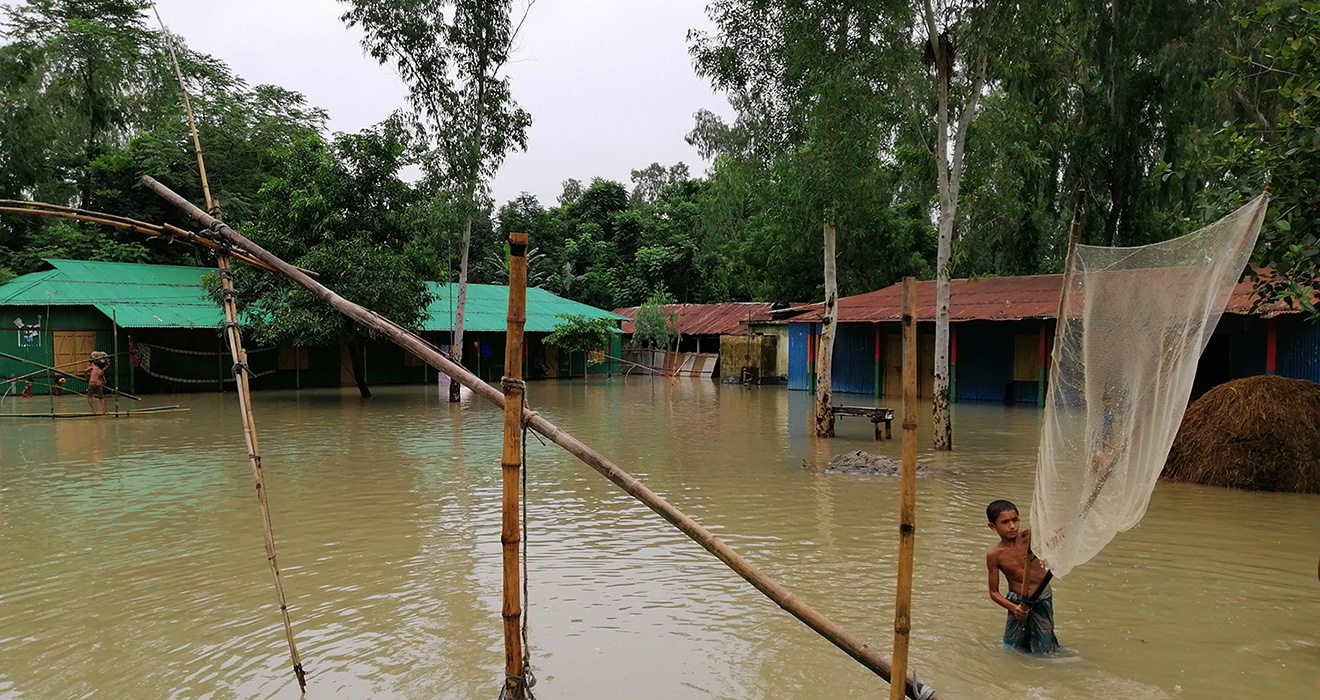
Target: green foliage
(655, 325)
(89, 102)
(1278, 144)
(822, 92)
(579, 333)
(341, 210)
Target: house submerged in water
(163, 332)
(1001, 335)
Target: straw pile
(1259, 434)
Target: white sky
(609, 83)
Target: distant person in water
(1030, 625)
(96, 367)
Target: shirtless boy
(96, 379)
(1030, 625)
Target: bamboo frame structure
(62, 373)
(515, 684)
(168, 231)
(409, 341)
(907, 529)
(234, 338)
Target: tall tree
(342, 210)
(814, 86)
(966, 75)
(451, 55)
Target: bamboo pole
(241, 374)
(52, 367)
(409, 341)
(515, 684)
(14, 206)
(114, 359)
(907, 497)
(48, 368)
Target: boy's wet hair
(998, 508)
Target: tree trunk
(358, 356)
(457, 348)
(942, 419)
(949, 177)
(825, 350)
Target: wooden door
(72, 349)
(925, 366)
(893, 387)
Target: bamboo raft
(108, 414)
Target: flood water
(131, 559)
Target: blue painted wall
(985, 355)
(1299, 349)
(985, 361)
(797, 356)
(854, 359)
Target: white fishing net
(1132, 327)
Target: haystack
(1259, 434)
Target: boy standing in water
(96, 379)
(1030, 625)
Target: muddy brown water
(132, 561)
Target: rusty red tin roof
(709, 319)
(993, 299)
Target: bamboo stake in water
(907, 529)
(254, 454)
(511, 467)
(409, 341)
(241, 373)
(114, 323)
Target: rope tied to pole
(525, 682)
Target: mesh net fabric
(1133, 323)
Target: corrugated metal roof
(172, 296)
(135, 295)
(993, 299)
(709, 319)
(487, 309)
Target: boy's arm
(992, 569)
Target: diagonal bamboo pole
(515, 682)
(409, 341)
(907, 528)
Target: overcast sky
(609, 83)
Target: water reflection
(134, 562)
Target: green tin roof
(134, 295)
(171, 296)
(487, 309)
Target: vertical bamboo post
(114, 358)
(511, 467)
(254, 453)
(907, 528)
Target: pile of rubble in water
(865, 463)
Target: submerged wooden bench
(876, 414)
